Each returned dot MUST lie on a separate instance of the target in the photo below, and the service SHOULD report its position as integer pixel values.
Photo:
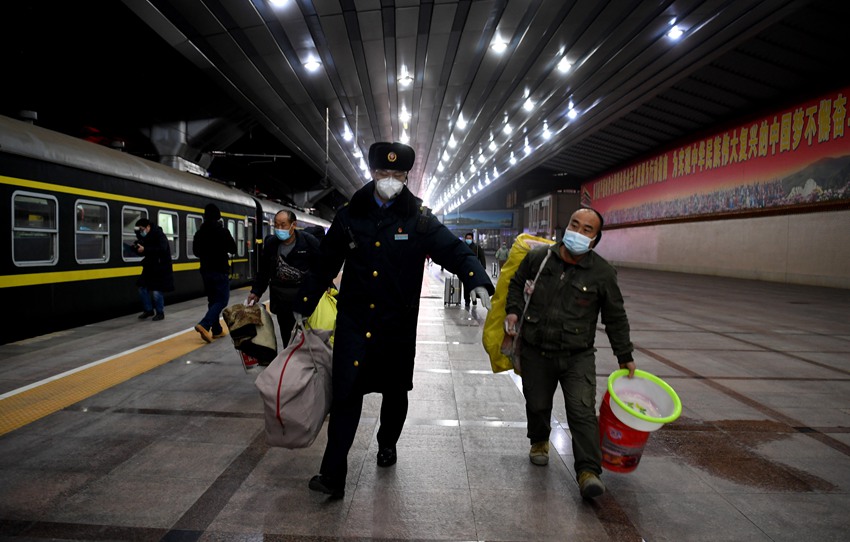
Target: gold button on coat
(371, 305)
(377, 243)
(374, 273)
(356, 363)
(368, 334)
(471, 273)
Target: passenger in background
(286, 258)
(502, 254)
(316, 231)
(479, 253)
(382, 238)
(213, 245)
(157, 276)
(573, 286)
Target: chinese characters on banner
(795, 157)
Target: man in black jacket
(382, 237)
(157, 273)
(213, 245)
(286, 258)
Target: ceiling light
(564, 65)
(513, 158)
(572, 113)
(528, 105)
(278, 3)
(405, 80)
(404, 116)
(347, 133)
(312, 65)
(527, 147)
(460, 122)
(452, 142)
(675, 33)
(499, 46)
(440, 167)
(508, 129)
(404, 138)
(546, 133)
(446, 156)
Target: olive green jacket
(567, 302)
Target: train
(72, 206)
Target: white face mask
(388, 188)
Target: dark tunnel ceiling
(238, 65)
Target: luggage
(493, 336)
(296, 389)
(451, 295)
(252, 332)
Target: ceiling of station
(472, 109)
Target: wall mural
(794, 158)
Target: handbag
(296, 389)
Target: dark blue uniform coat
(378, 304)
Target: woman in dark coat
(157, 276)
(382, 237)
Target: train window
(91, 232)
(240, 239)
(193, 224)
(35, 235)
(129, 217)
(170, 224)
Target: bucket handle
(677, 403)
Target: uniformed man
(382, 236)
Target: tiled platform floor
(761, 451)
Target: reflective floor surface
(177, 452)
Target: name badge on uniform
(401, 237)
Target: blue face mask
(283, 235)
(468, 241)
(576, 243)
(142, 233)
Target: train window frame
(80, 233)
(51, 233)
(138, 213)
(172, 236)
(240, 237)
(190, 234)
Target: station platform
(138, 430)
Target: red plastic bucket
(621, 445)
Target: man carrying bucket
(568, 290)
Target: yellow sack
(494, 325)
(324, 317)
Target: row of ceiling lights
(452, 197)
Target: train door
(247, 242)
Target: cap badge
(392, 157)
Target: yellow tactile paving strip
(30, 405)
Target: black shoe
(466, 305)
(158, 317)
(317, 483)
(387, 457)
(475, 302)
(146, 314)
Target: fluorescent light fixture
(440, 167)
(452, 142)
(498, 45)
(564, 65)
(404, 116)
(405, 80)
(513, 159)
(527, 147)
(675, 33)
(446, 156)
(346, 135)
(546, 133)
(528, 105)
(312, 65)
(572, 113)
(278, 3)
(404, 138)
(508, 129)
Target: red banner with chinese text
(799, 156)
